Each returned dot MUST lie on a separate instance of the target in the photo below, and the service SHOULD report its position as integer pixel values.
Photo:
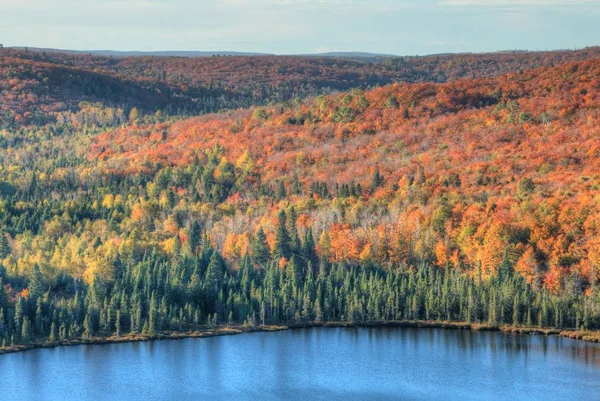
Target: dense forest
(37, 87)
(457, 188)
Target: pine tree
(377, 180)
(294, 272)
(280, 192)
(309, 252)
(282, 239)
(87, 327)
(492, 312)
(53, 333)
(3, 295)
(153, 325)
(306, 310)
(33, 184)
(318, 311)
(4, 246)
(26, 334)
(3, 328)
(139, 317)
(118, 323)
(516, 318)
(194, 239)
(263, 313)
(145, 327)
(214, 275)
(260, 248)
(19, 315)
(176, 249)
(39, 316)
(36, 283)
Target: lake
(313, 364)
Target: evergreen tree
(195, 234)
(153, 324)
(3, 328)
(118, 323)
(282, 238)
(294, 272)
(309, 252)
(516, 318)
(87, 327)
(377, 180)
(214, 275)
(4, 246)
(260, 248)
(280, 192)
(36, 284)
(20, 310)
(26, 332)
(53, 333)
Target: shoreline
(587, 336)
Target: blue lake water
(313, 364)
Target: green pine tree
(282, 239)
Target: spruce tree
(118, 323)
(53, 333)
(377, 180)
(3, 328)
(280, 192)
(260, 248)
(195, 234)
(3, 295)
(36, 283)
(26, 332)
(516, 318)
(20, 310)
(87, 327)
(282, 239)
(309, 252)
(4, 246)
(214, 275)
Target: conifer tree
(377, 180)
(26, 332)
(214, 275)
(260, 248)
(516, 318)
(4, 246)
(282, 238)
(118, 323)
(195, 236)
(36, 284)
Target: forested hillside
(461, 174)
(38, 87)
(470, 200)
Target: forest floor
(590, 336)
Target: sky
(402, 27)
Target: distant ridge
(168, 53)
(351, 55)
(193, 54)
(347, 55)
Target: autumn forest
(147, 195)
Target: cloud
(328, 4)
(299, 26)
(503, 3)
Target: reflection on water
(314, 364)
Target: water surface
(313, 364)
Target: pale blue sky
(302, 26)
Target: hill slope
(37, 86)
(473, 200)
(468, 166)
